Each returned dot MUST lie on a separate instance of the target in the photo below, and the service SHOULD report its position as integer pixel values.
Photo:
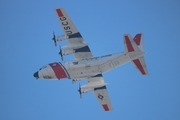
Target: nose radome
(36, 75)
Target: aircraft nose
(36, 75)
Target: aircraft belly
(81, 71)
(84, 69)
(113, 63)
(120, 60)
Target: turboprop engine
(74, 46)
(70, 49)
(58, 38)
(67, 52)
(89, 88)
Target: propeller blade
(54, 39)
(60, 53)
(79, 90)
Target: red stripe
(137, 39)
(59, 12)
(139, 66)
(58, 70)
(128, 43)
(105, 107)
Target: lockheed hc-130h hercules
(86, 66)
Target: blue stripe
(76, 35)
(100, 88)
(65, 70)
(98, 75)
(83, 49)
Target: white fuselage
(85, 68)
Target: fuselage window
(43, 67)
(75, 63)
(54, 65)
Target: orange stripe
(137, 39)
(58, 70)
(59, 12)
(128, 43)
(139, 66)
(105, 107)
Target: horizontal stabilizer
(137, 38)
(139, 41)
(140, 65)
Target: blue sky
(25, 45)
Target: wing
(73, 35)
(101, 93)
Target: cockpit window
(75, 63)
(43, 67)
(54, 65)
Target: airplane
(87, 67)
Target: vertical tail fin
(135, 47)
(130, 44)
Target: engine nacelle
(61, 38)
(86, 90)
(90, 87)
(67, 52)
(73, 46)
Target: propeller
(60, 53)
(79, 90)
(54, 39)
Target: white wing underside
(74, 38)
(101, 93)
(73, 35)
